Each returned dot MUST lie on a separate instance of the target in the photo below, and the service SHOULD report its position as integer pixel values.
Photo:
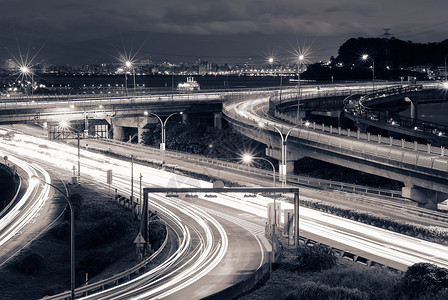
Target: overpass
(422, 168)
(107, 114)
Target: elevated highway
(421, 167)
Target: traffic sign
(139, 239)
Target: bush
(32, 264)
(108, 231)
(424, 280)
(94, 263)
(157, 232)
(314, 258)
(62, 231)
(76, 200)
(317, 291)
(378, 283)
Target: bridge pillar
(140, 131)
(118, 132)
(185, 118)
(218, 120)
(426, 198)
(414, 106)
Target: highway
(363, 240)
(205, 246)
(31, 207)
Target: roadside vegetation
(9, 183)
(105, 232)
(314, 273)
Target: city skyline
(94, 32)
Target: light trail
(27, 208)
(202, 244)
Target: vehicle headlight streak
(24, 210)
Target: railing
(114, 280)
(314, 182)
(354, 143)
(358, 109)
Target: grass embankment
(314, 273)
(9, 183)
(105, 232)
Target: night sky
(86, 31)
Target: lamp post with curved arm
(72, 233)
(247, 158)
(300, 59)
(284, 139)
(367, 57)
(163, 125)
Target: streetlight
(163, 124)
(64, 125)
(247, 158)
(25, 70)
(72, 233)
(86, 121)
(300, 59)
(366, 57)
(129, 65)
(284, 139)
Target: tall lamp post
(284, 139)
(367, 57)
(247, 158)
(86, 119)
(72, 233)
(163, 124)
(300, 59)
(129, 66)
(25, 70)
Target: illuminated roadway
(381, 245)
(206, 249)
(374, 243)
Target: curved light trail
(202, 240)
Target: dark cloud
(92, 19)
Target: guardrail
(399, 153)
(308, 181)
(114, 280)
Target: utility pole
(132, 177)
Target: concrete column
(414, 107)
(218, 120)
(424, 197)
(185, 118)
(118, 132)
(140, 132)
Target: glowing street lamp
(72, 233)
(26, 71)
(163, 124)
(129, 66)
(247, 158)
(367, 57)
(300, 59)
